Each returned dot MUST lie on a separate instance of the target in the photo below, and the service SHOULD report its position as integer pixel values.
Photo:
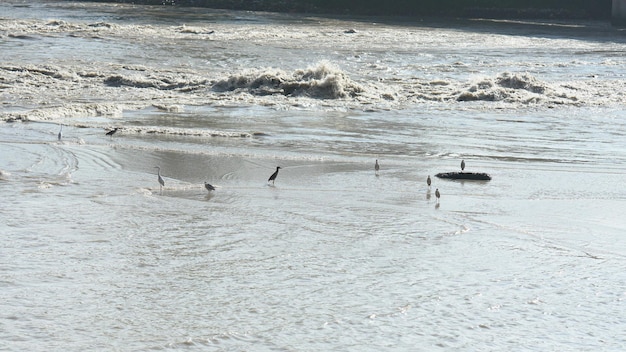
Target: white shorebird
(273, 177)
(160, 179)
(59, 135)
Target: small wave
(523, 81)
(100, 25)
(323, 81)
(169, 108)
(56, 23)
(66, 111)
(194, 30)
(22, 37)
(513, 88)
(4, 175)
(49, 71)
(163, 83)
(188, 132)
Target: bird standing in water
(376, 167)
(437, 194)
(462, 165)
(112, 132)
(209, 187)
(59, 135)
(160, 179)
(428, 181)
(273, 177)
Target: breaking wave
(515, 88)
(323, 81)
(48, 92)
(523, 81)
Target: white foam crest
(185, 29)
(4, 175)
(33, 28)
(44, 70)
(162, 82)
(38, 27)
(323, 81)
(111, 110)
(514, 88)
(192, 132)
(45, 92)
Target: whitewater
(333, 255)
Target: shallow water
(333, 256)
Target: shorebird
(112, 132)
(273, 177)
(437, 194)
(428, 181)
(160, 179)
(59, 135)
(208, 187)
(462, 165)
(376, 166)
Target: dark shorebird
(112, 132)
(437, 194)
(376, 166)
(160, 179)
(428, 181)
(59, 135)
(462, 165)
(208, 187)
(273, 177)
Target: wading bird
(208, 187)
(428, 181)
(273, 177)
(437, 194)
(59, 135)
(160, 179)
(376, 166)
(462, 165)
(112, 132)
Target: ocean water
(333, 256)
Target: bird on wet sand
(59, 135)
(208, 187)
(112, 132)
(462, 165)
(376, 166)
(273, 177)
(437, 194)
(428, 181)
(160, 179)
